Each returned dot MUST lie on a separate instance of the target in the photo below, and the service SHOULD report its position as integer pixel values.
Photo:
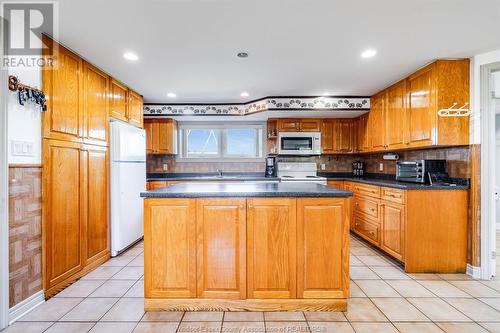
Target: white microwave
(299, 143)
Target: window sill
(220, 160)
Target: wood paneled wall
(25, 232)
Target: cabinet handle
(372, 233)
(372, 209)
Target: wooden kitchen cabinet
(271, 248)
(337, 136)
(135, 111)
(62, 223)
(63, 86)
(118, 101)
(221, 248)
(289, 125)
(367, 229)
(95, 200)
(95, 105)
(336, 183)
(392, 229)
(161, 136)
(75, 214)
(376, 122)
(310, 125)
(363, 142)
(156, 184)
(321, 226)
(395, 124)
(170, 224)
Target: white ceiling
(296, 47)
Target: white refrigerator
(128, 180)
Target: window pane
(202, 142)
(242, 142)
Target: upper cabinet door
(396, 116)
(310, 125)
(327, 136)
(167, 136)
(135, 110)
(221, 248)
(421, 107)
(96, 107)
(288, 125)
(376, 121)
(362, 136)
(343, 135)
(63, 86)
(118, 101)
(149, 127)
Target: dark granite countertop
(226, 176)
(390, 181)
(245, 190)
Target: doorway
(490, 170)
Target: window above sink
(225, 142)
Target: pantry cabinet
(75, 214)
(161, 136)
(95, 105)
(63, 87)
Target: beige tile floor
(383, 299)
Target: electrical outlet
(381, 167)
(165, 167)
(323, 166)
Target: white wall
(25, 122)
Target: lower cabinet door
(62, 222)
(271, 248)
(96, 202)
(393, 222)
(322, 242)
(170, 248)
(221, 248)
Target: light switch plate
(165, 167)
(22, 148)
(381, 167)
(323, 166)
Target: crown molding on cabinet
(265, 104)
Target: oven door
(296, 143)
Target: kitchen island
(246, 247)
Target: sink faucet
(219, 171)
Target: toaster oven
(417, 171)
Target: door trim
(488, 209)
(4, 203)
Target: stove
(299, 172)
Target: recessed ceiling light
(171, 95)
(368, 53)
(131, 56)
(242, 55)
(244, 94)
(326, 94)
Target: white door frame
(488, 177)
(4, 196)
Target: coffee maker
(271, 166)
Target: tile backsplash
(458, 162)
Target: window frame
(222, 156)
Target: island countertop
(246, 189)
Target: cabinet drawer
(365, 189)
(348, 186)
(336, 183)
(367, 206)
(366, 229)
(393, 195)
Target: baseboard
(20, 309)
(474, 272)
